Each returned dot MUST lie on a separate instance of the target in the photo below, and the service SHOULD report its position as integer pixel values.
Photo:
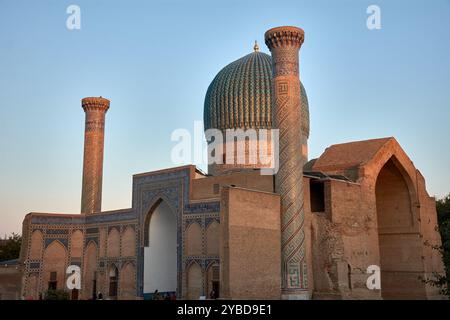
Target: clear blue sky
(155, 59)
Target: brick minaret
(284, 44)
(94, 132)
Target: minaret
(284, 44)
(94, 132)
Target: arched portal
(54, 266)
(213, 281)
(90, 271)
(36, 245)
(399, 240)
(193, 240)
(113, 243)
(76, 244)
(160, 251)
(113, 275)
(212, 239)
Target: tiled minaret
(94, 132)
(284, 44)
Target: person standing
(156, 295)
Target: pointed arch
(113, 243)
(406, 173)
(194, 241)
(393, 183)
(151, 209)
(36, 245)
(103, 241)
(161, 250)
(147, 220)
(54, 265)
(90, 270)
(129, 242)
(212, 238)
(213, 279)
(113, 280)
(400, 246)
(76, 244)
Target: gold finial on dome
(256, 47)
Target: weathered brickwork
(284, 44)
(341, 241)
(360, 227)
(309, 232)
(94, 136)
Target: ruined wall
(340, 244)
(410, 252)
(356, 225)
(430, 237)
(386, 218)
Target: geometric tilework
(92, 219)
(202, 207)
(50, 240)
(57, 231)
(91, 238)
(91, 230)
(171, 186)
(240, 96)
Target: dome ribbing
(240, 96)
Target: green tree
(443, 213)
(11, 250)
(443, 209)
(57, 294)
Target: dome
(240, 96)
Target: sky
(155, 59)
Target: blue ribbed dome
(240, 96)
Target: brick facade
(311, 231)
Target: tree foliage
(443, 212)
(11, 250)
(57, 294)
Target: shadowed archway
(113, 278)
(399, 239)
(90, 270)
(54, 266)
(160, 250)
